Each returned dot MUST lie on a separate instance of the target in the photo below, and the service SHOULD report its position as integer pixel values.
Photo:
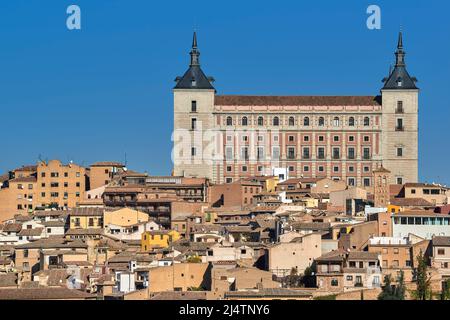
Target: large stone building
(227, 137)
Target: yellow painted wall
(84, 222)
(152, 239)
(125, 217)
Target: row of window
(399, 109)
(306, 121)
(291, 153)
(56, 174)
(429, 221)
(291, 138)
(56, 195)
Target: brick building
(228, 137)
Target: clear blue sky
(104, 91)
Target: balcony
(399, 111)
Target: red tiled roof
(234, 100)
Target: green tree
(423, 281)
(308, 279)
(445, 294)
(387, 292)
(400, 289)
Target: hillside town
(108, 232)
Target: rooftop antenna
(126, 162)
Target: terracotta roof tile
(235, 100)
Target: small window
(276, 121)
(291, 121)
(244, 121)
(260, 121)
(321, 121)
(193, 151)
(193, 124)
(366, 121)
(351, 122)
(229, 121)
(336, 122)
(306, 121)
(194, 106)
(399, 152)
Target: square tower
(400, 121)
(193, 121)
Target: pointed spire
(194, 41)
(195, 54)
(400, 53)
(399, 78)
(400, 40)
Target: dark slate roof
(399, 78)
(194, 78)
(400, 74)
(194, 73)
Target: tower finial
(195, 54)
(194, 40)
(400, 53)
(400, 39)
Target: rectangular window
(399, 152)
(399, 126)
(306, 153)
(366, 182)
(291, 138)
(229, 153)
(291, 153)
(193, 106)
(441, 252)
(193, 151)
(275, 153)
(336, 153)
(260, 153)
(244, 153)
(320, 153)
(399, 107)
(351, 153)
(366, 153)
(193, 124)
(351, 182)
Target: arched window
(276, 121)
(366, 121)
(260, 121)
(321, 122)
(229, 121)
(336, 121)
(351, 122)
(291, 121)
(244, 121)
(306, 121)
